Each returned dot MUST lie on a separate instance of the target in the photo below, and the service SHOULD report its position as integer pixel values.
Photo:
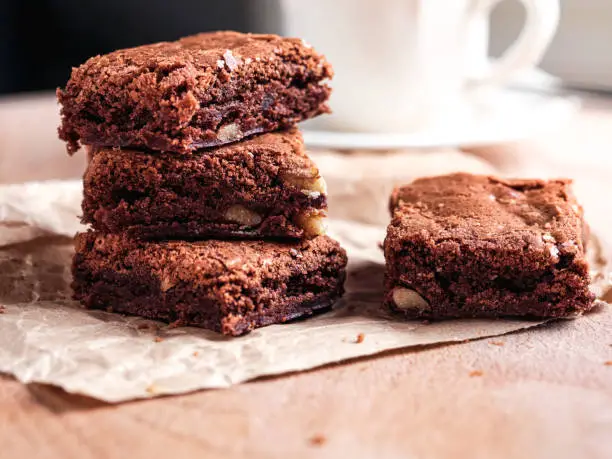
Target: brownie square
(475, 246)
(200, 91)
(227, 286)
(265, 186)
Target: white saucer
(508, 115)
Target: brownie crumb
(2, 309)
(476, 373)
(195, 353)
(158, 339)
(608, 363)
(151, 389)
(496, 343)
(318, 440)
(360, 338)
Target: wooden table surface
(543, 393)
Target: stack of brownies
(204, 206)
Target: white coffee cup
(405, 65)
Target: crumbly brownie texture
(227, 286)
(476, 246)
(201, 91)
(265, 186)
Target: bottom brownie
(227, 286)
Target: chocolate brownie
(227, 286)
(200, 91)
(475, 246)
(265, 186)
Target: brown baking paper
(47, 338)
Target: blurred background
(40, 40)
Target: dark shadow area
(41, 40)
(59, 401)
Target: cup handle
(541, 23)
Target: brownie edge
(230, 287)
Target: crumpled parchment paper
(45, 337)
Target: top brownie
(200, 91)
(478, 246)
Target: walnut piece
(307, 180)
(166, 283)
(313, 223)
(229, 133)
(311, 194)
(405, 298)
(243, 216)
